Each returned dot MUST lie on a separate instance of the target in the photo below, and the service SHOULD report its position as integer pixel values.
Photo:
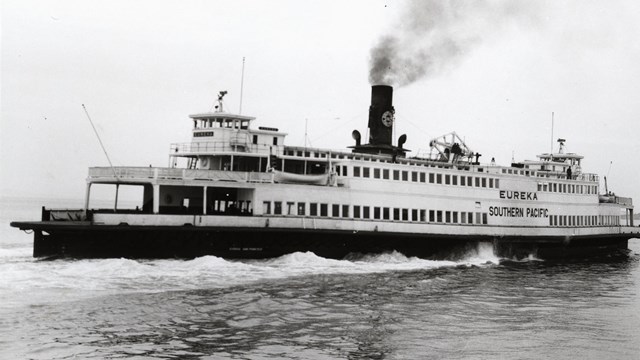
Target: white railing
(143, 173)
(209, 147)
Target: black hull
(91, 241)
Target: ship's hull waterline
(115, 241)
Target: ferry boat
(236, 191)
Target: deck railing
(142, 173)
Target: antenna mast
(241, 86)
(100, 141)
(551, 133)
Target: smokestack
(381, 115)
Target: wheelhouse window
(277, 207)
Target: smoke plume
(433, 35)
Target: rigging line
(100, 141)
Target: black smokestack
(381, 115)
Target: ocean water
(301, 306)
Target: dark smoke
(434, 35)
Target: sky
(493, 72)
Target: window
(490, 183)
(324, 210)
(414, 176)
(396, 214)
(422, 177)
(356, 211)
(255, 139)
(385, 174)
(275, 140)
(478, 218)
(469, 181)
(463, 217)
(385, 213)
(313, 209)
(497, 183)
(365, 172)
(376, 173)
(462, 180)
(447, 216)
(396, 174)
(447, 179)
(477, 182)
(405, 214)
(484, 182)
(439, 178)
(277, 207)
(290, 208)
(405, 176)
(266, 207)
(335, 210)
(431, 178)
(423, 215)
(345, 211)
(414, 215)
(356, 171)
(365, 212)
(484, 218)
(376, 212)
(432, 216)
(455, 217)
(439, 215)
(454, 180)
(301, 208)
(344, 171)
(470, 218)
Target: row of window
(415, 176)
(373, 212)
(584, 220)
(568, 188)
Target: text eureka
(507, 211)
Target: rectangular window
(454, 180)
(277, 207)
(356, 171)
(484, 219)
(431, 178)
(396, 174)
(447, 179)
(344, 171)
(447, 216)
(356, 211)
(365, 172)
(376, 212)
(345, 211)
(255, 139)
(432, 216)
(478, 218)
(275, 140)
(414, 214)
(405, 176)
(463, 217)
(462, 180)
(490, 183)
(290, 208)
(414, 176)
(396, 214)
(301, 208)
(385, 213)
(365, 212)
(335, 210)
(376, 173)
(405, 214)
(455, 217)
(422, 177)
(439, 216)
(266, 207)
(423, 215)
(439, 178)
(470, 218)
(324, 210)
(497, 183)
(385, 174)
(477, 182)
(484, 182)
(313, 209)
(469, 181)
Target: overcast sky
(141, 67)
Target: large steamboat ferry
(239, 192)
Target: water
(301, 306)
